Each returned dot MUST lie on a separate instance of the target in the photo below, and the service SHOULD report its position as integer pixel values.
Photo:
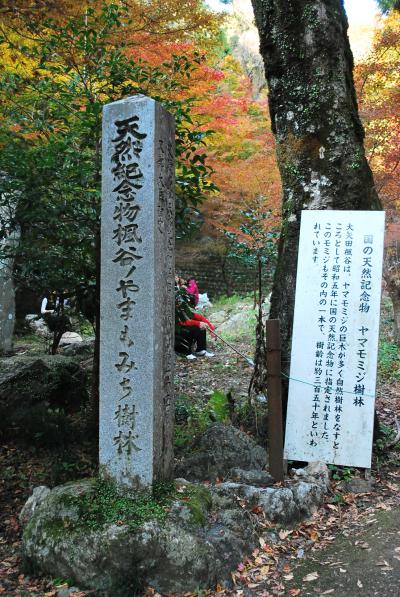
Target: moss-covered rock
(219, 450)
(179, 539)
(52, 379)
(194, 504)
(36, 396)
(188, 547)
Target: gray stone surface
(252, 477)
(38, 325)
(358, 485)
(70, 338)
(64, 592)
(54, 380)
(137, 292)
(38, 495)
(179, 554)
(219, 450)
(279, 504)
(81, 349)
(313, 471)
(191, 549)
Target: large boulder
(219, 317)
(279, 504)
(38, 325)
(193, 547)
(205, 532)
(53, 380)
(219, 450)
(236, 323)
(81, 350)
(70, 338)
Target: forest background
(63, 60)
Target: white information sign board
(335, 337)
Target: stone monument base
(206, 531)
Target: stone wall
(217, 274)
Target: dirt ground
(350, 546)
(366, 563)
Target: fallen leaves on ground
(269, 571)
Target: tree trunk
(319, 136)
(56, 341)
(258, 382)
(224, 274)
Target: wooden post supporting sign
(274, 392)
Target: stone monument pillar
(137, 292)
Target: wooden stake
(367, 474)
(274, 394)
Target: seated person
(192, 336)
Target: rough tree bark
(319, 136)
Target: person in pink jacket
(192, 289)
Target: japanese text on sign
(335, 335)
(128, 177)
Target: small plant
(183, 305)
(86, 328)
(218, 406)
(387, 439)
(60, 582)
(338, 498)
(105, 505)
(341, 473)
(388, 361)
(192, 419)
(255, 244)
(252, 416)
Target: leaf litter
(269, 569)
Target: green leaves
(255, 241)
(388, 5)
(183, 305)
(219, 406)
(50, 136)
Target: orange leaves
(378, 81)
(15, 128)
(242, 150)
